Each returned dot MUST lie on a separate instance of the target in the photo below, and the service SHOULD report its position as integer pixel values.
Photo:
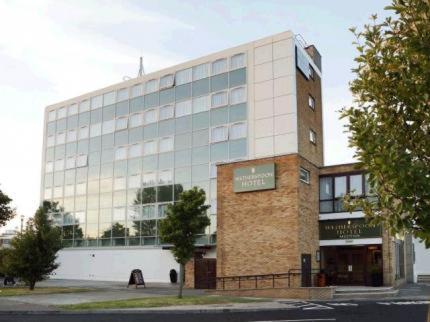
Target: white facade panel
(115, 264)
(422, 259)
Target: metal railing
(270, 280)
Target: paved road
(363, 311)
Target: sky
(54, 50)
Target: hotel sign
(258, 177)
(348, 229)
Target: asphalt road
(369, 311)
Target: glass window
(200, 172)
(108, 127)
(219, 82)
(118, 214)
(183, 108)
(237, 112)
(81, 188)
(326, 188)
(134, 181)
(237, 77)
(96, 116)
(219, 66)
(237, 95)
(237, 131)
(219, 134)
(166, 144)
(356, 184)
(167, 96)
(237, 61)
(219, 99)
(136, 104)
(137, 90)
(121, 108)
(201, 104)
(182, 92)
(312, 136)
(73, 109)
(72, 135)
(219, 116)
(61, 124)
(151, 100)
(61, 138)
(340, 186)
(201, 120)
(182, 158)
(83, 132)
(108, 113)
(107, 141)
(200, 71)
(183, 76)
(238, 149)
(201, 137)
(109, 98)
(149, 147)
(59, 165)
(135, 150)
(149, 179)
(304, 175)
(151, 86)
(96, 102)
(95, 130)
(136, 120)
(150, 116)
(201, 87)
(219, 151)
(165, 193)
(119, 183)
(52, 115)
(311, 102)
(182, 176)
(121, 153)
(84, 106)
(50, 141)
(121, 137)
(200, 154)
(166, 81)
(50, 129)
(150, 131)
(61, 113)
(183, 124)
(166, 112)
(165, 177)
(49, 167)
(135, 135)
(82, 160)
(121, 123)
(107, 155)
(122, 94)
(70, 162)
(150, 162)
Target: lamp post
(22, 222)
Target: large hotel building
(244, 124)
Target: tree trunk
(181, 279)
(31, 285)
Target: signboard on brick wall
(258, 177)
(348, 229)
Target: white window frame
(225, 136)
(311, 102)
(307, 173)
(171, 114)
(312, 136)
(240, 88)
(167, 81)
(219, 105)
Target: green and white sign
(258, 177)
(348, 229)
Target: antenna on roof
(141, 70)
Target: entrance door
(351, 264)
(205, 273)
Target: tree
(33, 252)
(6, 212)
(185, 219)
(389, 123)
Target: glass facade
(115, 161)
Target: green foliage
(6, 212)
(185, 219)
(33, 252)
(390, 120)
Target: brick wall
(259, 232)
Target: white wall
(115, 264)
(422, 260)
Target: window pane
(201, 137)
(237, 61)
(183, 76)
(200, 71)
(136, 120)
(166, 81)
(219, 82)
(84, 106)
(183, 108)
(219, 99)
(121, 123)
(166, 112)
(183, 124)
(108, 113)
(150, 131)
(326, 188)
(96, 102)
(166, 144)
(237, 77)
(137, 90)
(182, 141)
(150, 116)
(121, 153)
(166, 127)
(135, 150)
(149, 147)
(237, 131)
(238, 112)
(121, 138)
(219, 66)
(219, 134)
(340, 186)
(201, 104)
(356, 185)
(122, 94)
(219, 151)
(109, 98)
(95, 130)
(165, 160)
(108, 127)
(237, 95)
(219, 116)
(151, 100)
(136, 104)
(200, 154)
(167, 96)
(165, 177)
(201, 120)
(201, 87)
(182, 158)
(151, 86)
(182, 92)
(326, 206)
(238, 149)
(200, 172)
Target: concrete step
(360, 289)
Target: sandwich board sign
(136, 278)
